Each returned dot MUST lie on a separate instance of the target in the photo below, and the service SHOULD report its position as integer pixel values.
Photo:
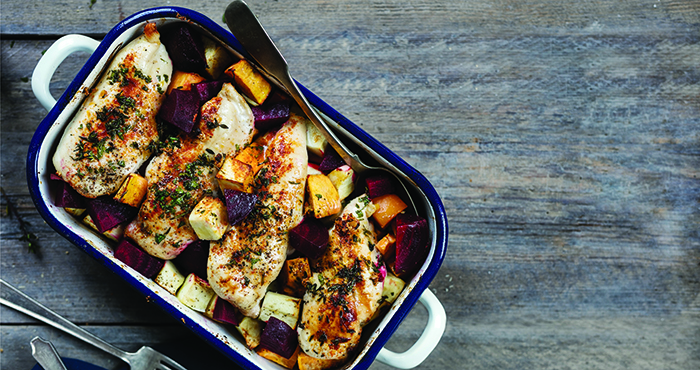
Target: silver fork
(146, 358)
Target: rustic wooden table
(561, 136)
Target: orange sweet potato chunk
(249, 80)
(294, 275)
(183, 80)
(307, 362)
(388, 206)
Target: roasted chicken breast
(109, 136)
(251, 254)
(344, 292)
(185, 172)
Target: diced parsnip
(287, 363)
(253, 155)
(133, 190)
(235, 175)
(182, 80)
(209, 218)
(388, 206)
(393, 286)
(312, 169)
(116, 233)
(217, 57)
(209, 311)
(169, 278)
(251, 83)
(195, 293)
(323, 196)
(343, 179)
(250, 329)
(387, 246)
(315, 142)
(75, 211)
(283, 307)
(294, 275)
(307, 362)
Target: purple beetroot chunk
(331, 160)
(270, 115)
(279, 338)
(226, 312)
(238, 205)
(65, 195)
(193, 259)
(310, 237)
(379, 185)
(411, 243)
(107, 213)
(137, 259)
(207, 90)
(185, 48)
(181, 109)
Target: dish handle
(432, 333)
(52, 58)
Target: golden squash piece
(184, 80)
(323, 196)
(307, 362)
(235, 175)
(133, 190)
(251, 83)
(294, 275)
(387, 246)
(287, 363)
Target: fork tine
(167, 363)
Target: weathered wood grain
(561, 136)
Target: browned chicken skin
(344, 292)
(251, 254)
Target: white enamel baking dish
(226, 339)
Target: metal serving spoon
(245, 26)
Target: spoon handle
(46, 355)
(250, 33)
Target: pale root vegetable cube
(75, 211)
(133, 190)
(287, 363)
(249, 80)
(169, 278)
(209, 311)
(387, 207)
(116, 233)
(316, 143)
(323, 196)
(387, 246)
(307, 362)
(253, 155)
(209, 218)
(195, 293)
(393, 286)
(250, 329)
(312, 169)
(217, 57)
(343, 178)
(235, 175)
(294, 275)
(283, 307)
(183, 80)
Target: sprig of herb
(27, 236)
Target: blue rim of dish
(187, 14)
